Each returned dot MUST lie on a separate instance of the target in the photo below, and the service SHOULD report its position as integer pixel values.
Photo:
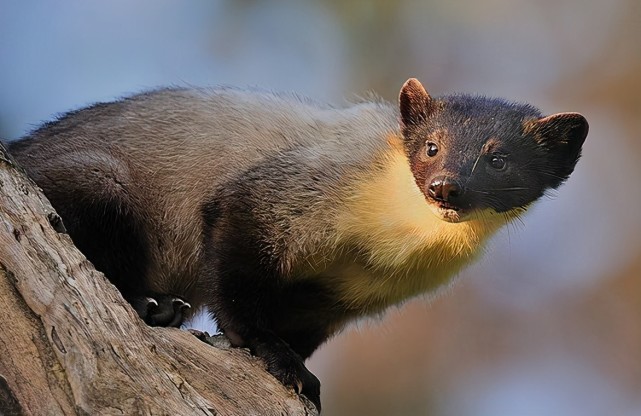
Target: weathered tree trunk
(70, 344)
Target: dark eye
(431, 149)
(498, 162)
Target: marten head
(470, 154)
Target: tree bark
(71, 345)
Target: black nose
(445, 189)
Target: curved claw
(179, 306)
(151, 303)
(144, 306)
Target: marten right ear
(562, 135)
(415, 104)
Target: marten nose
(445, 189)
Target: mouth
(448, 212)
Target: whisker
(490, 190)
(546, 173)
(474, 165)
(507, 220)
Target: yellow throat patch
(401, 247)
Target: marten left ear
(415, 104)
(562, 135)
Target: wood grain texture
(70, 344)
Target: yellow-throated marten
(287, 218)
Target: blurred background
(547, 323)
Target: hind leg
(93, 193)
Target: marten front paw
(291, 371)
(160, 310)
(287, 366)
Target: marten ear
(563, 132)
(562, 135)
(415, 103)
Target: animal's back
(208, 133)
